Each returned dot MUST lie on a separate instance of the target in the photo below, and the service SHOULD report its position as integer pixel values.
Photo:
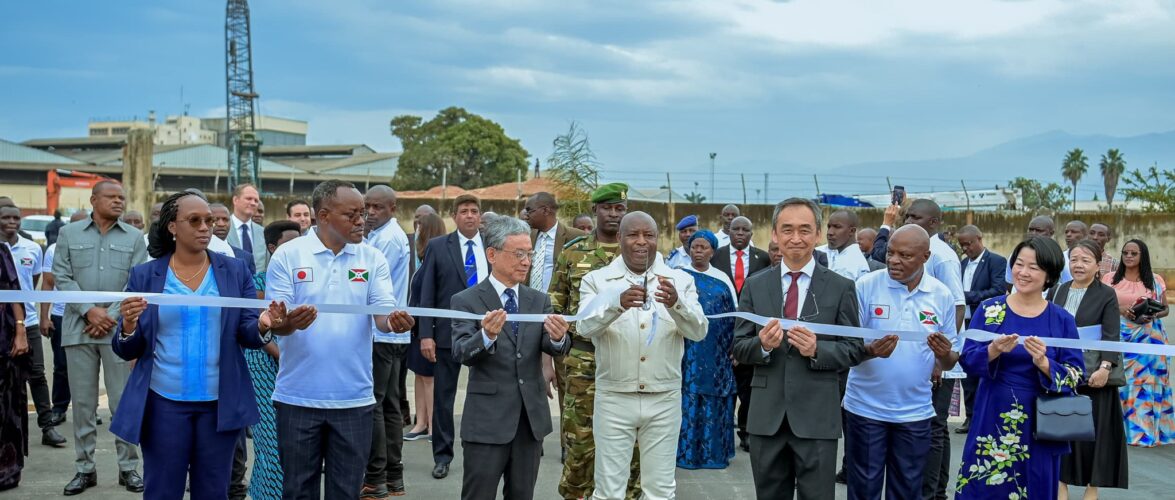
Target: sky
(787, 87)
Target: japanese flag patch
(357, 275)
(303, 275)
(879, 311)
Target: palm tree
(1113, 166)
(1074, 166)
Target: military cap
(616, 192)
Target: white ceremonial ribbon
(1090, 336)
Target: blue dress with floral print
(1000, 458)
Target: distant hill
(1038, 156)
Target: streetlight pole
(712, 199)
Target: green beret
(616, 192)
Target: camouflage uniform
(579, 257)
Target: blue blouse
(187, 345)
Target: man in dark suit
(794, 419)
(506, 411)
(547, 237)
(739, 260)
(451, 264)
(983, 278)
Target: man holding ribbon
(794, 419)
(639, 332)
(506, 411)
(324, 391)
(888, 399)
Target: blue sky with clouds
(795, 86)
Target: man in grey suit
(246, 234)
(506, 411)
(794, 419)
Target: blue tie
(470, 264)
(246, 241)
(512, 308)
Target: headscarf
(704, 234)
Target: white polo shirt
(328, 365)
(848, 262)
(392, 242)
(945, 266)
(58, 309)
(27, 258)
(897, 389)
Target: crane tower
(240, 98)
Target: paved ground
(48, 469)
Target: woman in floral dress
(1000, 458)
(1146, 397)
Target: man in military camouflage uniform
(577, 370)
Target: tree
(695, 196)
(1074, 166)
(573, 166)
(1155, 188)
(1035, 195)
(475, 151)
(1113, 165)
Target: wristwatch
(1106, 365)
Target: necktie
(511, 307)
(791, 304)
(538, 264)
(246, 240)
(470, 264)
(739, 271)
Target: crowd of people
(647, 380)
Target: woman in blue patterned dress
(266, 482)
(707, 396)
(1001, 459)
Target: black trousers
(237, 489)
(387, 433)
(444, 395)
(60, 370)
(38, 386)
(742, 380)
(936, 475)
(405, 410)
(309, 437)
(786, 466)
(516, 462)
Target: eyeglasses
(519, 254)
(195, 221)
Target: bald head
(638, 241)
(740, 233)
(79, 215)
(1075, 231)
(865, 237)
(913, 235)
(925, 213)
(909, 249)
(729, 212)
(1041, 225)
(382, 192)
(970, 240)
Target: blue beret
(706, 235)
(687, 221)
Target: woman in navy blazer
(190, 395)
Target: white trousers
(652, 420)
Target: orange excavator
(59, 178)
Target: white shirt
(679, 258)
(479, 254)
(27, 258)
(501, 289)
(944, 265)
(392, 242)
(328, 365)
(746, 258)
(804, 282)
(58, 309)
(547, 239)
(969, 277)
(848, 262)
(897, 389)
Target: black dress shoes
(841, 478)
(56, 419)
(965, 428)
(50, 437)
(440, 471)
(132, 481)
(80, 483)
(744, 445)
(396, 487)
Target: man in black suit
(739, 260)
(451, 264)
(794, 419)
(983, 278)
(506, 411)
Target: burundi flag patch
(26, 261)
(928, 318)
(879, 311)
(357, 275)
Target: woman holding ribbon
(1001, 459)
(706, 440)
(1100, 463)
(1146, 396)
(190, 395)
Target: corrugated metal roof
(11, 152)
(67, 142)
(203, 157)
(379, 165)
(314, 150)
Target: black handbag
(1064, 418)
